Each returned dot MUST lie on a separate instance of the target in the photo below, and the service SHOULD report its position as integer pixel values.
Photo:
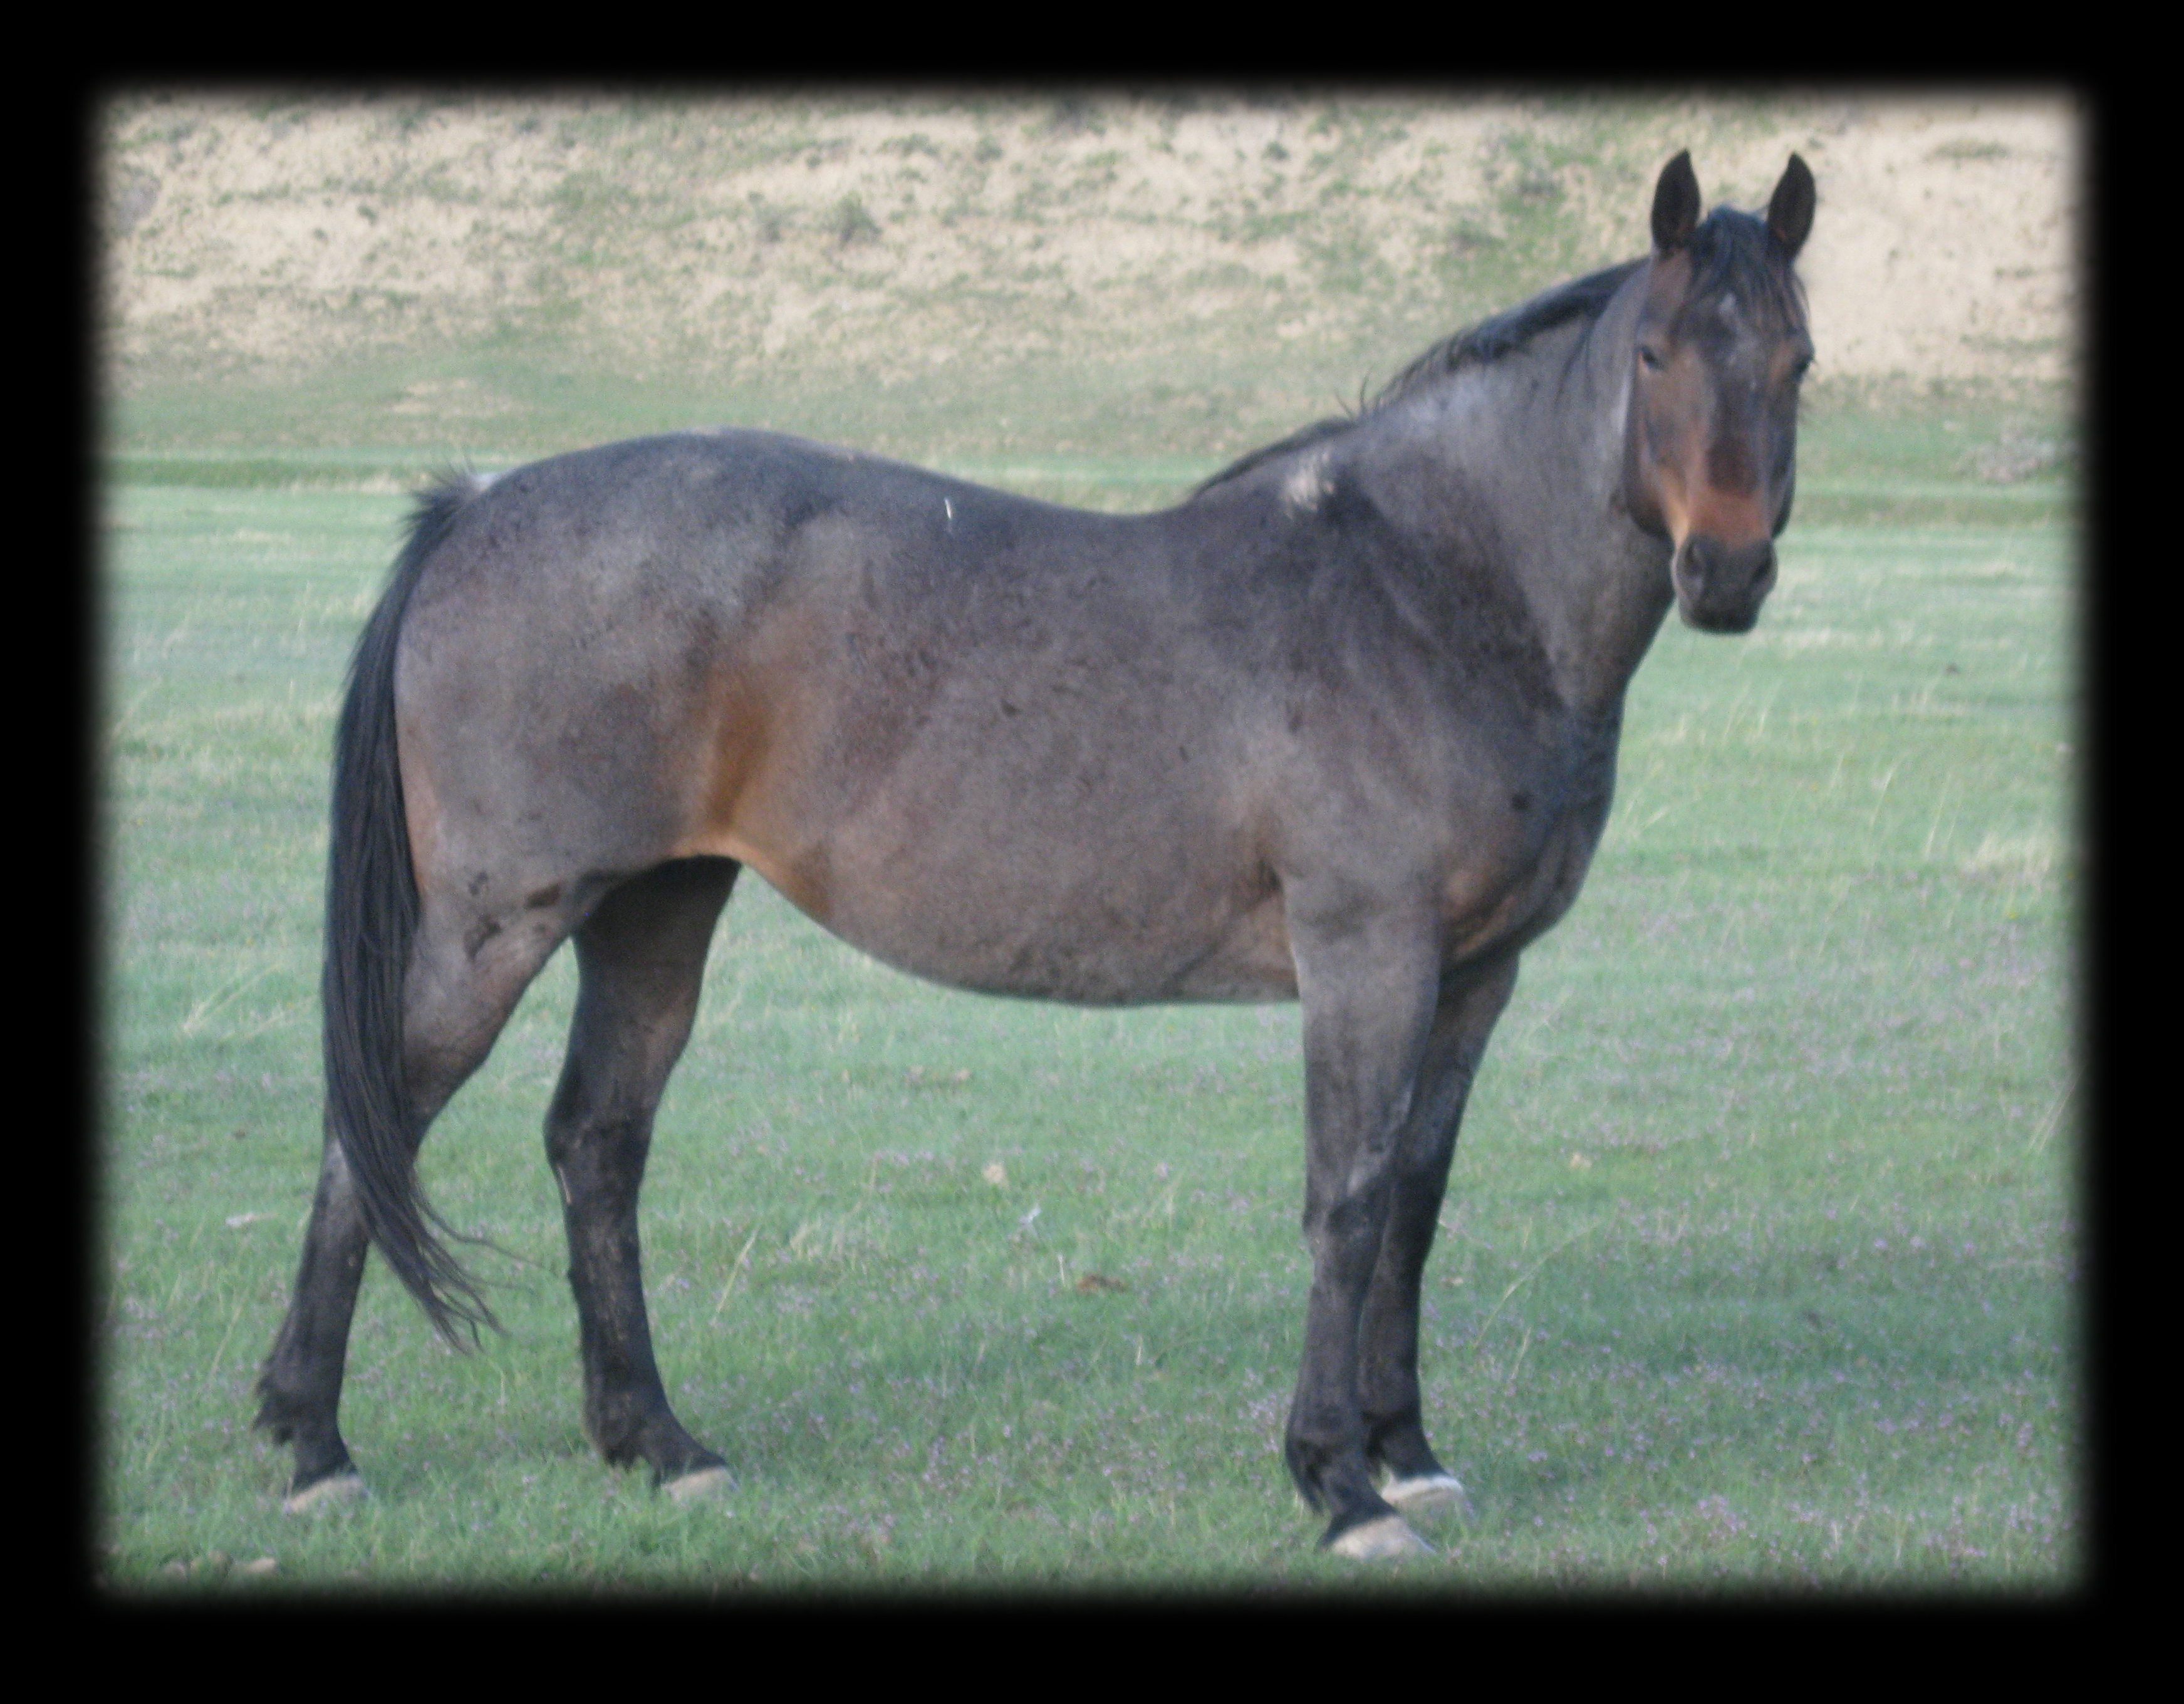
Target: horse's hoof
(702, 1486)
(1388, 1539)
(335, 1491)
(1428, 1494)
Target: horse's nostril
(1761, 575)
(1709, 564)
(1698, 565)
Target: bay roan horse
(1340, 728)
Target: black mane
(1730, 251)
(1487, 341)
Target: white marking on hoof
(701, 1486)
(1427, 1493)
(337, 1492)
(1388, 1539)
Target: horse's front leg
(1368, 985)
(1471, 1000)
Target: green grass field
(1760, 1255)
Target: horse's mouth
(1712, 618)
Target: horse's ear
(1675, 204)
(1790, 214)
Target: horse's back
(989, 739)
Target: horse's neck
(1540, 440)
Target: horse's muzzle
(1719, 588)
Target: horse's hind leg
(1388, 1332)
(453, 1009)
(299, 1390)
(641, 959)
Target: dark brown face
(1710, 454)
(1712, 443)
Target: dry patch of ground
(897, 237)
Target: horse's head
(1710, 458)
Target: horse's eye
(1650, 357)
(1800, 367)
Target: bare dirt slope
(895, 238)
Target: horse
(1339, 727)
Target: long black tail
(371, 923)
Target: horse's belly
(1086, 961)
(1092, 919)
(1014, 827)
